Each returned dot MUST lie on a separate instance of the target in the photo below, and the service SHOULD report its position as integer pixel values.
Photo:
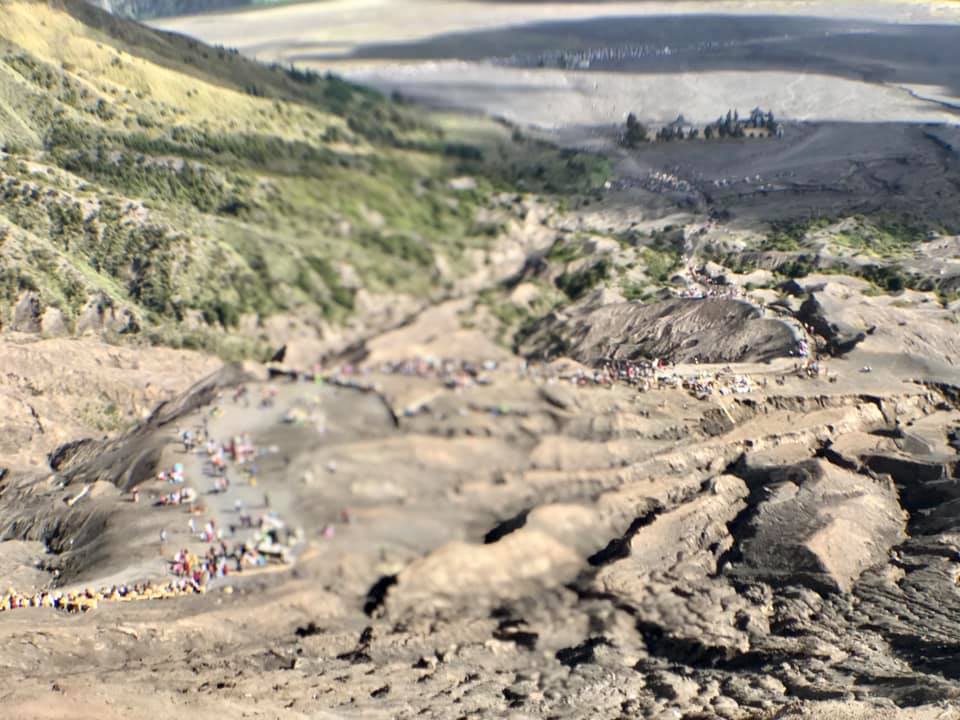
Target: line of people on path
(89, 599)
(270, 542)
(452, 373)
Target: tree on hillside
(636, 132)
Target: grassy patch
(578, 283)
(517, 321)
(661, 264)
(637, 292)
(564, 251)
(789, 235)
(881, 238)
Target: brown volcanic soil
(529, 547)
(58, 390)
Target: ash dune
(856, 96)
(859, 50)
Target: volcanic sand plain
(869, 92)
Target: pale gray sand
(809, 61)
(557, 99)
(344, 25)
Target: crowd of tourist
(269, 539)
(452, 373)
(730, 292)
(89, 599)
(644, 375)
(648, 375)
(184, 496)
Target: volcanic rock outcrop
(820, 525)
(679, 330)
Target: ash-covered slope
(678, 330)
(528, 545)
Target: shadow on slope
(853, 49)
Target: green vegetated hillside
(205, 193)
